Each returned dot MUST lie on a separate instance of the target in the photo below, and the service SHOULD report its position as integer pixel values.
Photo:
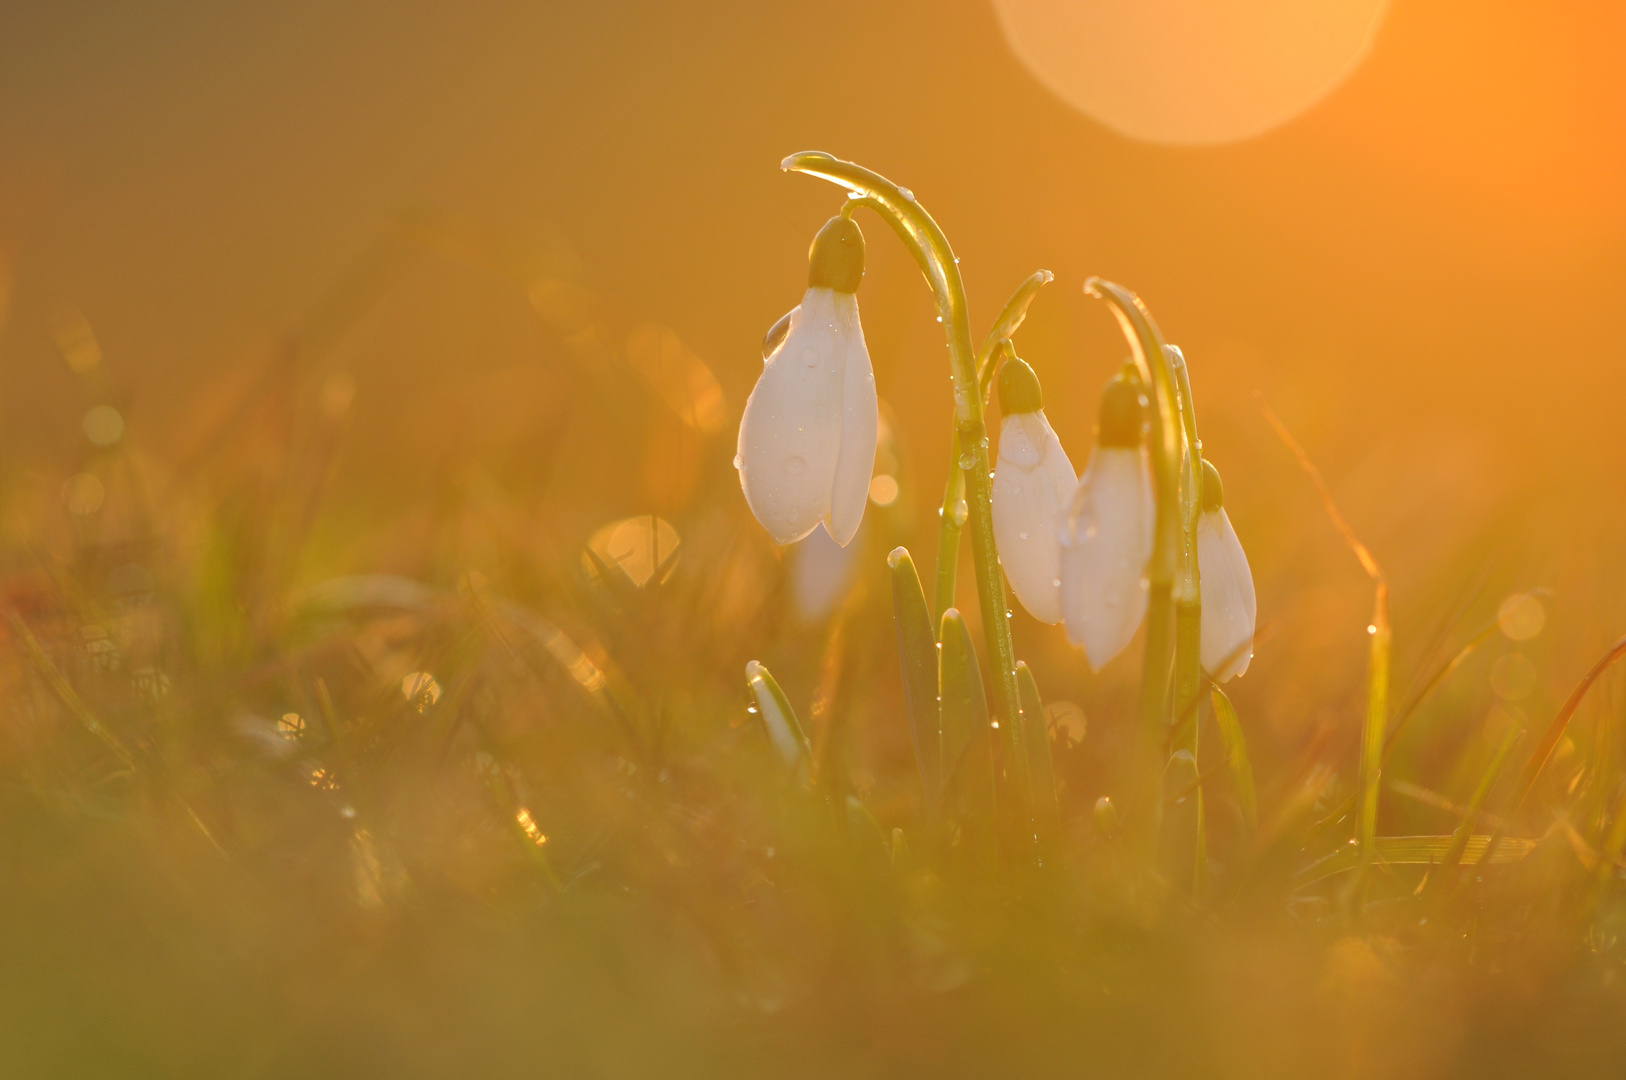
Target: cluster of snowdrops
(1075, 549)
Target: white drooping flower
(1229, 604)
(1033, 480)
(1106, 533)
(807, 439)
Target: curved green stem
(1188, 672)
(951, 519)
(926, 242)
(1167, 438)
(1188, 607)
(953, 511)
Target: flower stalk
(926, 242)
(1167, 438)
(1188, 612)
(952, 513)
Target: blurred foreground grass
(453, 770)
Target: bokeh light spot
(103, 425)
(679, 378)
(883, 490)
(1191, 72)
(643, 548)
(75, 340)
(84, 494)
(1521, 616)
(338, 392)
(1513, 676)
(421, 689)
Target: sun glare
(1191, 72)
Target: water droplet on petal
(795, 465)
(739, 462)
(1021, 536)
(908, 196)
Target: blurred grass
(317, 766)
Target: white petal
(1033, 482)
(790, 435)
(1229, 605)
(820, 573)
(1106, 540)
(860, 424)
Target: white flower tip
(1229, 604)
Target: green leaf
(778, 718)
(1236, 755)
(1037, 737)
(1413, 850)
(967, 752)
(917, 655)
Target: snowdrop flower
(1032, 482)
(1229, 606)
(1106, 532)
(807, 439)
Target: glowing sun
(1190, 72)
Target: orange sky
(1423, 273)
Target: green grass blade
(917, 655)
(1476, 804)
(1037, 735)
(1377, 715)
(778, 718)
(1555, 730)
(1413, 850)
(967, 753)
(1236, 755)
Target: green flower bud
(1123, 414)
(836, 259)
(1213, 490)
(1019, 388)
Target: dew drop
(960, 512)
(966, 461)
(940, 318)
(795, 465)
(1021, 536)
(739, 462)
(1055, 583)
(908, 196)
